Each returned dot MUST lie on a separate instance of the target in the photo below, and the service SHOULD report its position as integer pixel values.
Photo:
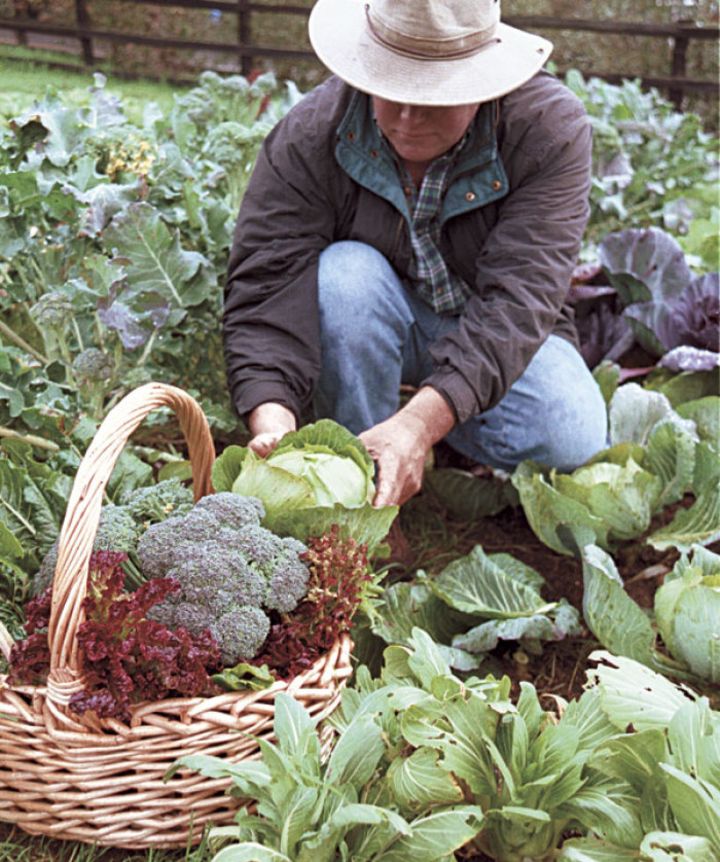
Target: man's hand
(268, 423)
(400, 445)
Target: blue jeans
(374, 336)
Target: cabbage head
(687, 612)
(316, 477)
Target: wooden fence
(676, 83)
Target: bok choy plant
(424, 763)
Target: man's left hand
(400, 445)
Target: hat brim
(340, 37)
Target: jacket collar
(476, 178)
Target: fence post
(679, 60)
(244, 36)
(83, 21)
(20, 34)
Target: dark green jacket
(512, 222)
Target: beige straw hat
(425, 52)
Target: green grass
(18, 846)
(24, 81)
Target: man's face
(421, 133)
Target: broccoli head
(240, 633)
(218, 577)
(92, 366)
(121, 527)
(155, 503)
(159, 545)
(232, 510)
(240, 630)
(117, 530)
(232, 572)
(288, 579)
(53, 310)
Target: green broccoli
(232, 510)
(232, 572)
(52, 314)
(240, 633)
(117, 530)
(155, 503)
(121, 526)
(94, 372)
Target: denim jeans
(374, 336)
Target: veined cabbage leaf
(316, 477)
(473, 603)
(687, 614)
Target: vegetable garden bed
(113, 239)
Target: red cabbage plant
(673, 313)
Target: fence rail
(676, 83)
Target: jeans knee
(576, 432)
(358, 291)
(349, 273)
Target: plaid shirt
(442, 289)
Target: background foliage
(617, 54)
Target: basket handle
(83, 515)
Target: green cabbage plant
(656, 456)
(687, 614)
(316, 477)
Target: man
(415, 219)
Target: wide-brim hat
(425, 52)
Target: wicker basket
(65, 776)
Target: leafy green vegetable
(687, 614)
(473, 603)
(656, 457)
(311, 809)
(317, 476)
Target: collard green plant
(652, 166)
(114, 237)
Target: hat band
(429, 49)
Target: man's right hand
(268, 423)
